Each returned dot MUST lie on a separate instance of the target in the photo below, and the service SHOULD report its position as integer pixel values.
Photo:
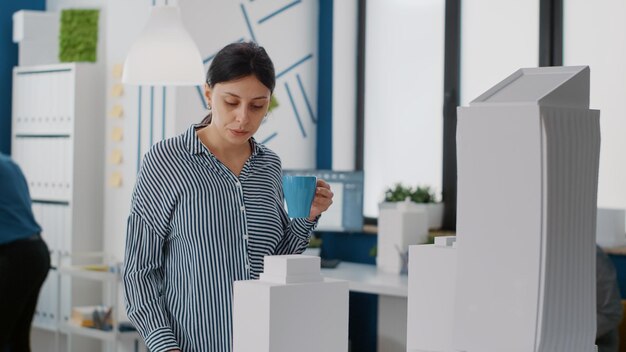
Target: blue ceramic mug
(299, 193)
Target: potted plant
(423, 197)
(401, 223)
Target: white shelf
(44, 326)
(57, 140)
(111, 336)
(81, 272)
(89, 332)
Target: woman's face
(238, 107)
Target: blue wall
(363, 314)
(620, 267)
(8, 59)
(324, 149)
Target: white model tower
(528, 154)
(290, 308)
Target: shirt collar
(195, 146)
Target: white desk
(392, 300)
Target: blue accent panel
(151, 115)
(308, 57)
(356, 247)
(269, 138)
(295, 110)
(139, 128)
(325, 87)
(362, 331)
(163, 113)
(206, 61)
(306, 99)
(245, 16)
(199, 89)
(352, 247)
(209, 58)
(620, 269)
(279, 11)
(8, 60)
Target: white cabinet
(57, 139)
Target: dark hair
(238, 60)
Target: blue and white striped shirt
(194, 228)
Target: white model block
(304, 317)
(291, 265)
(610, 231)
(432, 284)
(399, 225)
(528, 154)
(37, 35)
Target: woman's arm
(298, 231)
(143, 279)
(147, 230)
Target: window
(404, 47)
(593, 34)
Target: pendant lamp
(164, 53)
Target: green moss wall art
(78, 37)
(273, 103)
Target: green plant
(419, 194)
(273, 103)
(78, 37)
(399, 193)
(315, 242)
(423, 194)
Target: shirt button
(245, 237)
(243, 208)
(247, 267)
(237, 184)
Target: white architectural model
(528, 154)
(290, 308)
(400, 224)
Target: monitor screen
(346, 212)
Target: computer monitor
(346, 212)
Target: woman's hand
(323, 199)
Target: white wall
(497, 38)
(290, 38)
(595, 35)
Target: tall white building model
(524, 278)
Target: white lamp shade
(164, 53)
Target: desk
(392, 300)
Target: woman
(207, 206)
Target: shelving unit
(111, 281)
(58, 141)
